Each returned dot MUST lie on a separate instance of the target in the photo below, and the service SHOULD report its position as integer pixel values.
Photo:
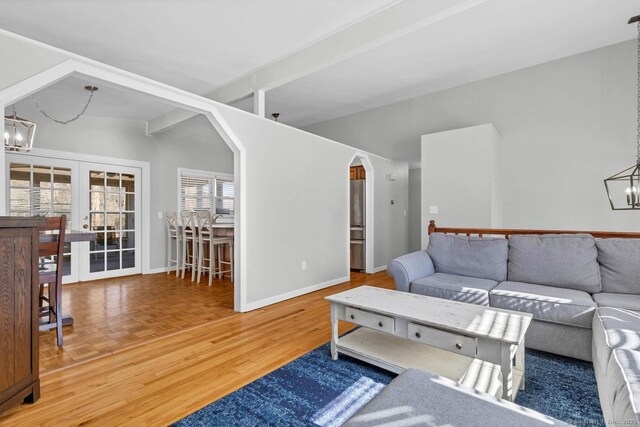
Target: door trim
(145, 167)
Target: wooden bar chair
(189, 243)
(173, 234)
(51, 275)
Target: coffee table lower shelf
(397, 354)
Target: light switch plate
(159, 215)
(433, 209)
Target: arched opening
(360, 214)
(176, 98)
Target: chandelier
(18, 133)
(623, 188)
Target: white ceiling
(200, 45)
(67, 97)
(493, 38)
(195, 45)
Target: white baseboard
(278, 298)
(379, 269)
(158, 270)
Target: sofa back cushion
(560, 260)
(482, 257)
(619, 265)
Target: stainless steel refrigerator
(358, 224)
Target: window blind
(196, 191)
(200, 191)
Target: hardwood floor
(164, 379)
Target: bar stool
(173, 233)
(221, 241)
(206, 238)
(189, 242)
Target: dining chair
(50, 272)
(173, 234)
(189, 242)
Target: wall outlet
(160, 215)
(304, 265)
(404, 213)
(433, 209)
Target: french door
(110, 208)
(101, 198)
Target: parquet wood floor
(116, 313)
(166, 378)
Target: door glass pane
(128, 222)
(113, 181)
(96, 180)
(128, 240)
(96, 262)
(128, 259)
(97, 221)
(113, 260)
(128, 200)
(96, 201)
(20, 175)
(112, 201)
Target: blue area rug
(314, 390)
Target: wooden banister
(506, 232)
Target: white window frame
(207, 174)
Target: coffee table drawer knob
(380, 324)
(458, 346)
(353, 317)
(417, 334)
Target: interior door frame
(145, 214)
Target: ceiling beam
(397, 20)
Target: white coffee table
(479, 346)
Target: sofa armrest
(407, 268)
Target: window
(200, 190)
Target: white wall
(297, 208)
(460, 178)
(565, 126)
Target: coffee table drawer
(370, 320)
(442, 339)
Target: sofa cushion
(619, 266)
(418, 398)
(626, 301)
(482, 257)
(560, 260)
(623, 386)
(614, 328)
(459, 288)
(565, 306)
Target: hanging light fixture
(91, 89)
(623, 188)
(18, 133)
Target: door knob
(85, 226)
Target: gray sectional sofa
(583, 293)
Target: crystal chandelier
(623, 188)
(18, 133)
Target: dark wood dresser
(19, 289)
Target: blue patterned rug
(314, 390)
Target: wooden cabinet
(357, 172)
(19, 289)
